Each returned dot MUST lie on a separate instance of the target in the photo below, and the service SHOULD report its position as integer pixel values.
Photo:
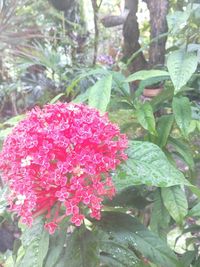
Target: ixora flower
(57, 162)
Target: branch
(112, 21)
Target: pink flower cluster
(57, 162)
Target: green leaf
(164, 128)
(56, 248)
(98, 72)
(81, 250)
(43, 248)
(147, 164)
(175, 202)
(114, 254)
(14, 120)
(120, 84)
(34, 242)
(183, 115)
(181, 66)
(5, 132)
(56, 98)
(197, 262)
(100, 93)
(129, 233)
(195, 211)
(177, 20)
(184, 151)
(160, 217)
(82, 97)
(188, 257)
(146, 74)
(146, 118)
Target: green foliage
(147, 164)
(128, 232)
(184, 151)
(164, 127)
(182, 112)
(146, 118)
(57, 245)
(35, 243)
(160, 217)
(79, 249)
(146, 74)
(195, 211)
(99, 95)
(130, 197)
(175, 201)
(118, 239)
(177, 20)
(181, 66)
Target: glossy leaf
(100, 92)
(181, 66)
(115, 254)
(146, 74)
(175, 201)
(146, 118)
(128, 232)
(147, 164)
(182, 112)
(164, 128)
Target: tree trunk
(131, 38)
(158, 11)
